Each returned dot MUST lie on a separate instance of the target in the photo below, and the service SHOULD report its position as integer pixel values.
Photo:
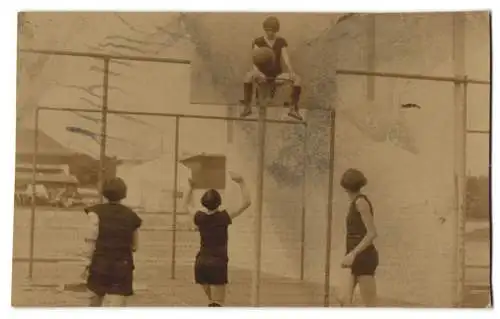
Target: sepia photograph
(253, 159)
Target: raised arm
(245, 196)
(188, 205)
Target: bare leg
(95, 300)
(218, 294)
(348, 294)
(117, 301)
(368, 289)
(208, 292)
(295, 96)
(247, 93)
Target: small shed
(207, 170)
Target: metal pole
(174, 189)
(460, 153)
(181, 61)
(33, 197)
(187, 116)
(329, 218)
(370, 87)
(236, 105)
(410, 76)
(478, 131)
(104, 126)
(259, 198)
(230, 124)
(304, 207)
(107, 56)
(463, 220)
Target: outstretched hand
(190, 183)
(236, 178)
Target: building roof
(46, 145)
(22, 177)
(40, 167)
(200, 157)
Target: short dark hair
(211, 200)
(271, 23)
(353, 180)
(114, 189)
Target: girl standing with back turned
(111, 240)
(211, 263)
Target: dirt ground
(57, 235)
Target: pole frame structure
(263, 102)
(104, 112)
(174, 197)
(455, 79)
(305, 160)
(329, 217)
(460, 101)
(33, 198)
(371, 24)
(104, 127)
(177, 116)
(460, 81)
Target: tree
(92, 95)
(31, 68)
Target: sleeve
(228, 218)
(284, 43)
(137, 221)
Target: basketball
(263, 56)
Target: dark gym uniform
(212, 259)
(274, 69)
(365, 262)
(112, 266)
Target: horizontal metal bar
(107, 56)
(46, 260)
(162, 213)
(168, 228)
(412, 76)
(478, 131)
(269, 106)
(206, 117)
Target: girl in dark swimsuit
(274, 70)
(361, 255)
(111, 239)
(211, 262)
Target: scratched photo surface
(273, 119)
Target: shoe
(214, 304)
(246, 113)
(247, 110)
(295, 115)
